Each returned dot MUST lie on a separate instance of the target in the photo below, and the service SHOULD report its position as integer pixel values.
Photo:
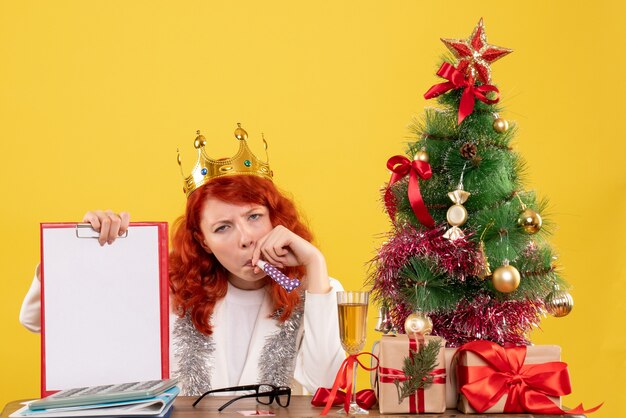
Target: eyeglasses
(264, 394)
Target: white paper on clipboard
(104, 308)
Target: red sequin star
(475, 54)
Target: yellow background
(96, 96)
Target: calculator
(103, 394)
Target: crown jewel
(206, 168)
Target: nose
(246, 238)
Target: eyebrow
(253, 209)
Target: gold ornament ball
(500, 125)
(559, 303)
(530, 221)
(505, 278)
(421, 156)
(418, 323)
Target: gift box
(493, 379)
(391, 352)
(452, 395)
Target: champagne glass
(352, 308)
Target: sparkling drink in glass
(352, 309)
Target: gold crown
(244, 162)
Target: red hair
(197, 280)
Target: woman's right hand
(110, 224)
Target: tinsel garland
(481, 318)
(194, 352)
(277, 361)
(458, 258)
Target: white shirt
(241, 310)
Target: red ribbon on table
(343, 380)
(400, 166)
(416, 399)
(527, 386)
(457, 80)
(365, 398)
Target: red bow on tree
(527, 386)
(456, 80)
(400, 166)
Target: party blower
(276, 275)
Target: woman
(230, 324)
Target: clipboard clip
(86, 231)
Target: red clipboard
(104, 309)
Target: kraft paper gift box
(535, 355)
(391, 352)
(452, 395)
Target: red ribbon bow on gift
(344, 378)
(456, 80)
(527, 386)
(400, 166)
(365, 398)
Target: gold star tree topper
(475, 54)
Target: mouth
(248, 263)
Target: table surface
(300, 406)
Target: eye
(255, 216)
(221, 228)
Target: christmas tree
(467, 256)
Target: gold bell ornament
(485, 270)
(418, 323)
(505, 278)
(383, 322)
(500, 125)
(559, 303)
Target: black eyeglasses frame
(274, 394)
